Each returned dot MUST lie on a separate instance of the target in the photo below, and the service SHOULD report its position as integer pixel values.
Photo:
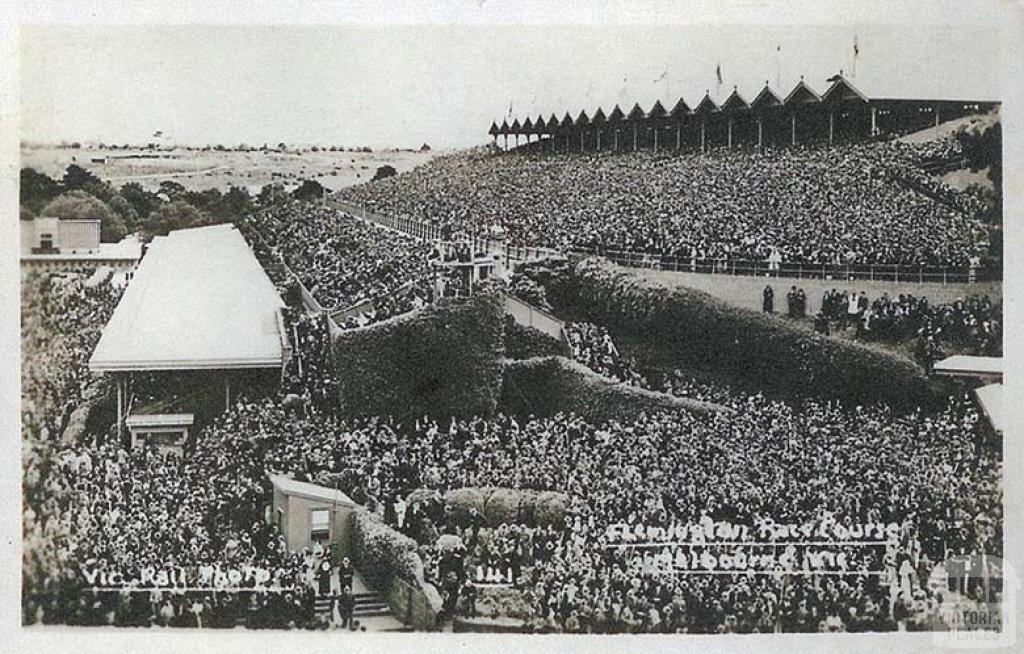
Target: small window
(320, 525)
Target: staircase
(370, 611)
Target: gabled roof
(199, 300)
(504, 127)
(516, 127)
(527, 126)
(540, 126)
(315, 492)
(582, 120)
(566, 121)
(841, 89)
(802, 94)
(681, 109)
(636, 114)
(552, 124)
(616, 116)
(657, 111)
(766, 98)
(599, 117)
(706, 105)
(493, 131)
(735, 102)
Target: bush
(443, 360)
(423, 496)
(551, 508)
(502, 505)
(383, 553)
(79, 205)
(690, 329)
(545, 386)
(527, 342)
(463, 501)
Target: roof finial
(801, 78)
(733, 87)
(840, 72)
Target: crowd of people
(341, 260)
(62, 317)
(812, 205)
(972, 324)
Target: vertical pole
(581, 140)
(615, 146)
(792, 129)
(655, 139)
(599, 139)
(874, 122)
(227, 392)
(679, 137)
(120, 408)
(831, 126)
(760, 132)
(936, 117)
(634, 137)
(730, 131)
(703, 126)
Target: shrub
(550, 508)
(463, 501)
(443, 360)
(527, 342)
(502, 505)
(545, 386)
(687, 328)
(383, 553)
(423, 496)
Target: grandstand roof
(991, 400)
(616, 116)
(706, 105)
(657, 111)
(289, 486)
(636, 114)
(599, 117)
(680, 109)
(582, 119)
(766, 98)
(802, 94)
(962, 365)
(735, 102)
(199, 300)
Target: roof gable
(766, 98)
(706, 105)
(735, 102)
(680, 110)
(802, 94)
(599, 117)
(842, 90)
(636, 114)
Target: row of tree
(132, 209)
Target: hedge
(545, 386)
(690, 329)
(381, 553)
(527, 342)
(443, 360)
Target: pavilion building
(199, 323)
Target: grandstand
(842, 112)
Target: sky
(401, 86)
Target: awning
(199, 300)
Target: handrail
(800, 270)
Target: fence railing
(901, 273)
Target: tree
(142, 200)
(236, 202)
(77, 178)
(173, 190)
(26, 214)
(309, 190)
(176, 214)
(37, 188)
(79, 205)
(383, 172)
(271, 194)
(125, 211)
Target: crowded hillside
(813, 204)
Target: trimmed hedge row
(688, 328)
(498, 505)
(443, 360)
(381, 553)
(545, 386)
(527, 342)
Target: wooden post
(581, 140)
(760, 132)
(730, 131)
(120, 408)
(599, 139)
(227, 392)
(703, 126)
(792, 129)
(634, 137)
(615, 146)
(831, 126)
(874, 122)
(655, 139)
(679, 137)
(936, 117)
